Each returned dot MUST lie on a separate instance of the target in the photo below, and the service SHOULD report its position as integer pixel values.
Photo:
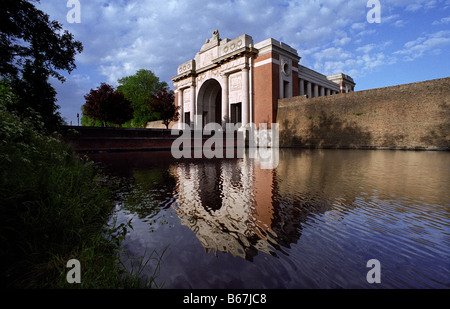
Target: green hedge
(54, 207)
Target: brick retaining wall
(410, 116)
(94, 139)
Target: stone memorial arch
(239, 82)
(214, 86)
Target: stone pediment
(235, 47)
(215, 52)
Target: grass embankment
(53, 208)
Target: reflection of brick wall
(406, 116)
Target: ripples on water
(313, 222)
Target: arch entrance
(209, 102)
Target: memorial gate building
(238, 81)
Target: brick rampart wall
(410, 116)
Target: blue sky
(410, 44)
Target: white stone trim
(281, 48)
(270, 60)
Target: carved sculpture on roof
(211, 42)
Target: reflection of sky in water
(314, 221)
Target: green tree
(36, 94)
(7, 95)
(32, 49)
(107, 105)
(139, 88)
(87, 121)
(164, 104)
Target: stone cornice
(247, 51)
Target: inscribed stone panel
(187, 99)
(235, 88)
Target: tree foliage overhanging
(32, 49)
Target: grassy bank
(53, 208)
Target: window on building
(285, 89)
(187, 118)
(236, 113)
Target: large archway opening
(209, 102)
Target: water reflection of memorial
(233, 206)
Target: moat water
(312, 222)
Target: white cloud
(414, 7)
(417, 5)
(390, 18)
(400, 23)
(124, 36)
(442, 21)
(356, 65)
(331, 36)
(366, 48)
(359, 26)
(120, 37)
(430, 43)
(332, 53)
(342, 41)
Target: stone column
(193, 104)
(308, 89)
(302, 87)
(180, 103)
(328, 91)
(245, 99)
(225, 118)
(322, 91)
(316, 90)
